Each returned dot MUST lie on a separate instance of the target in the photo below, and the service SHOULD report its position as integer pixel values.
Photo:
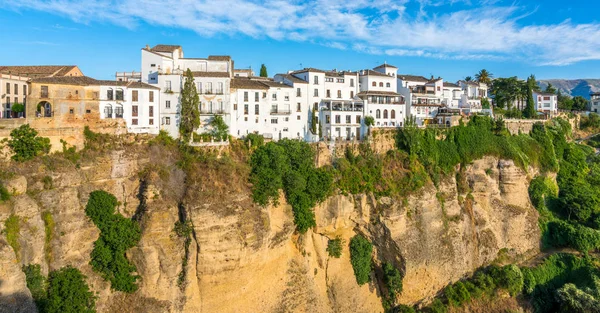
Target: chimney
(147, 47)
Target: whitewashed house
(301, 115)
(378, 88)
(452, 95)
(13, 89)
(250, 107)
(546, 102)
(473, 93)
(135, 102)
(594, 104)
(423, 97)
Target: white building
(13, 89)
(546, 102)
(473, 93)
(164, 65)
(135, 102)
(452, 95)
(594, 105)
(423, 96)
(132, 76)
(378, 88)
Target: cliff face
(242, 257)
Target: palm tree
(468, 78)
(484, 77)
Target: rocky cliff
(245, 258)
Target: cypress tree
(263, 71)
(529, 111)
(190, 112)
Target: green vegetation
(18, 108)
(70, 153)
(69, 293)
(49, 232)
(263, 71)
(220, 130)
(393, 281)
(11, 230)
(530, 111)
(254, 140)
(48, 184)
(4, 194)
(184, 230)
(591, 121)
(65, 290)
(190, 104)
(360, 258)
(288, 165)
(96, 141)
(117, 234)
(334, 247)
(26, 145)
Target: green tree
(314, 123)
(37, 285)
(468, 78)
(369, 122)
(564, 102)
(334, 247)
(360, 258)
(485, 103)
(190, 111)
(263, 71)
(392, 279)
(529, 111)
(484, 77)
(579, 103)
(550, 88)
(17, 108)
(220, 130)
(26, 145)
(69, 293)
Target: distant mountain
(573, 87)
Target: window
(380, 84)
(167, 121)
(274, 96)
(152, 65)
(151, 96)
(88, 111)
(327, 119)
(208, 88)
(134, 96)
(286, 119)
(545, 98)
(273, 120)
(377, 114)
(16, 91)
(221, 108)
(134, 110)
(316, 94)
(340, 80)
(329, 79)
(351, 82)
(108, 111)
(298, 92)
(285, 129)
(348, 119)
(256, 120)
(328, 94)
(388, 85)
(256, 109)
(71, 111)
(134, 121)
(358, 119)
(44, 92)
(109, 94)
(245, 118)
(245, 109)
(339, 94)
(393, 114)
(76, 92)
(351, 94)
(298, 107)
(168, 104)
(264, 94)
(385, 114)
(315, 106)
(7, 88)
(25, 90)
(151, 111)
(316, 80)
(220, 88)
(119, 95)
(374, 84)
(287, 96)
(298, 117)
(256, 96)
(438, 88)
(168, 85)
(245, 96)
(151, 121)
(235, 106)
(199, 87)
(119, 112)
(338, 119)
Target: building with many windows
(594, 104)
(423, 96)
(546, 102)
(473, 93)
(378, 89)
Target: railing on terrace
(217, 112)
(281, 111)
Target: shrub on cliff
(26, 144)
(117, 234)
(288, 165)
(392, 279)
(69, 293)
(360, 258)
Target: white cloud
(481, 29)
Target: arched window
(385, 114)
(119, 111)
(381, 84)
(387, 84)
(374, 84)
(393, 114)
(108, 111)
(377, 114)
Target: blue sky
(452, 39)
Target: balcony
(281, 111)
(219, 91)
(212, 112)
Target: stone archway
(44, 109)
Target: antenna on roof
(301, 65)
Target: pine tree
(263, 71)
(190, 112)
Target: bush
(117, 234)
(47, 180)
(288, 165)
(69, 293)
(11, 229)
(163, 138)
(360, 258)
(36, 283)
(403, 309)
(49, 232)
(437, 306)
(26, 145)
(70, 153)
(392, 279)
(255, 140)
(219, 128)
(4, 194)
(542, 188)
(334, 247)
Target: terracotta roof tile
(219, 57)
(378, 93)
(37, 70)
(413, 78)
(211, 74)
(246, 83)
(293, 78)
(452, 85)
(275, 84)
(375, 73)
(386, 65)
(165, 48)
(88, 81)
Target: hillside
(573, 87)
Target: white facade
(378, 88)
(473, 93)
(423, 96)
(546, 102)
(595, 102)
(136, 103)
(13, 89)
(452, 95)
